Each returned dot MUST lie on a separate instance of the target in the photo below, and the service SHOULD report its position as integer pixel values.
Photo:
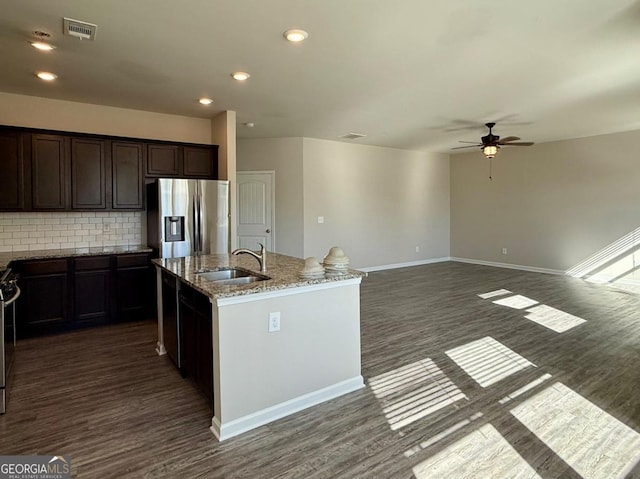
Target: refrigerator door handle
(200, 223)
(195, 223)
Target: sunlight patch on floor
(413, 392)
(591, 441)
(516, 302)
(488, 361)
(524, 389)
(442, 435)
(493, 294)
(547, 316)
(553, 318)
(484, 453)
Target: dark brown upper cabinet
(49, 172)
(13, 174)
(163, 160)
(46, 170)
(200, 162)
(127, 159)
(88, 174)
(182, 161)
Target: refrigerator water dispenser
(173, 228)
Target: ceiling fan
(491, 143)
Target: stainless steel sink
(230, 276)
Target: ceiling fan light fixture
(490, 150)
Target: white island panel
(261, 376)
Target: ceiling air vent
(78, 29)
(352, 136)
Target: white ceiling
(412, 74)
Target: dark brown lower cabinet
(170, 316)
(92, 280)
(134, 286)
(43, 305)
(196, 340)
(67, 293)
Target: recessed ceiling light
(41, 42)
(240, 76)
(43, 46)
(205, 101)
(48, 76)
(295, 35)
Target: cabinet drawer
(132, 260)
(52, 266)
(92, 262)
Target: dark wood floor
(105, 398)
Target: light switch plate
(320, 219)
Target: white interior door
(256, 211)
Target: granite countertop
(6, 258)
(283, 270)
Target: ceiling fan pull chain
(490, 169)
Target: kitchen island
(260, 376)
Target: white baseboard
(260, 418)
(610, 280)
(404, 265)
(533, 269)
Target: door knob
(268, 231)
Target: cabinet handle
(268, 231)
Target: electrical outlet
(504, 250)
(105, 227)
(320, 219)
(274, 322)
(417, 249)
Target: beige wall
(284, 156)
(37, 112)
(551, 205)
(378, 203)
(223, 133)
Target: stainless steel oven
(9, 292)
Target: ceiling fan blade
(474, 142)
(509, 138)
(521, 143)
(470, 146)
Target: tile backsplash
(38, 231)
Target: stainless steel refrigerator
(188, 217)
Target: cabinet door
(43, 305)
(49, 172)
(189, 339)
(12, 177)
(134, 286)
(88, 174)
(127, 159)
(92, 290)
(204, 377)
(163, 160)
(170, 317)
(201, 162)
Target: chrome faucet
(261, 257)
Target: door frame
(272, 176)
